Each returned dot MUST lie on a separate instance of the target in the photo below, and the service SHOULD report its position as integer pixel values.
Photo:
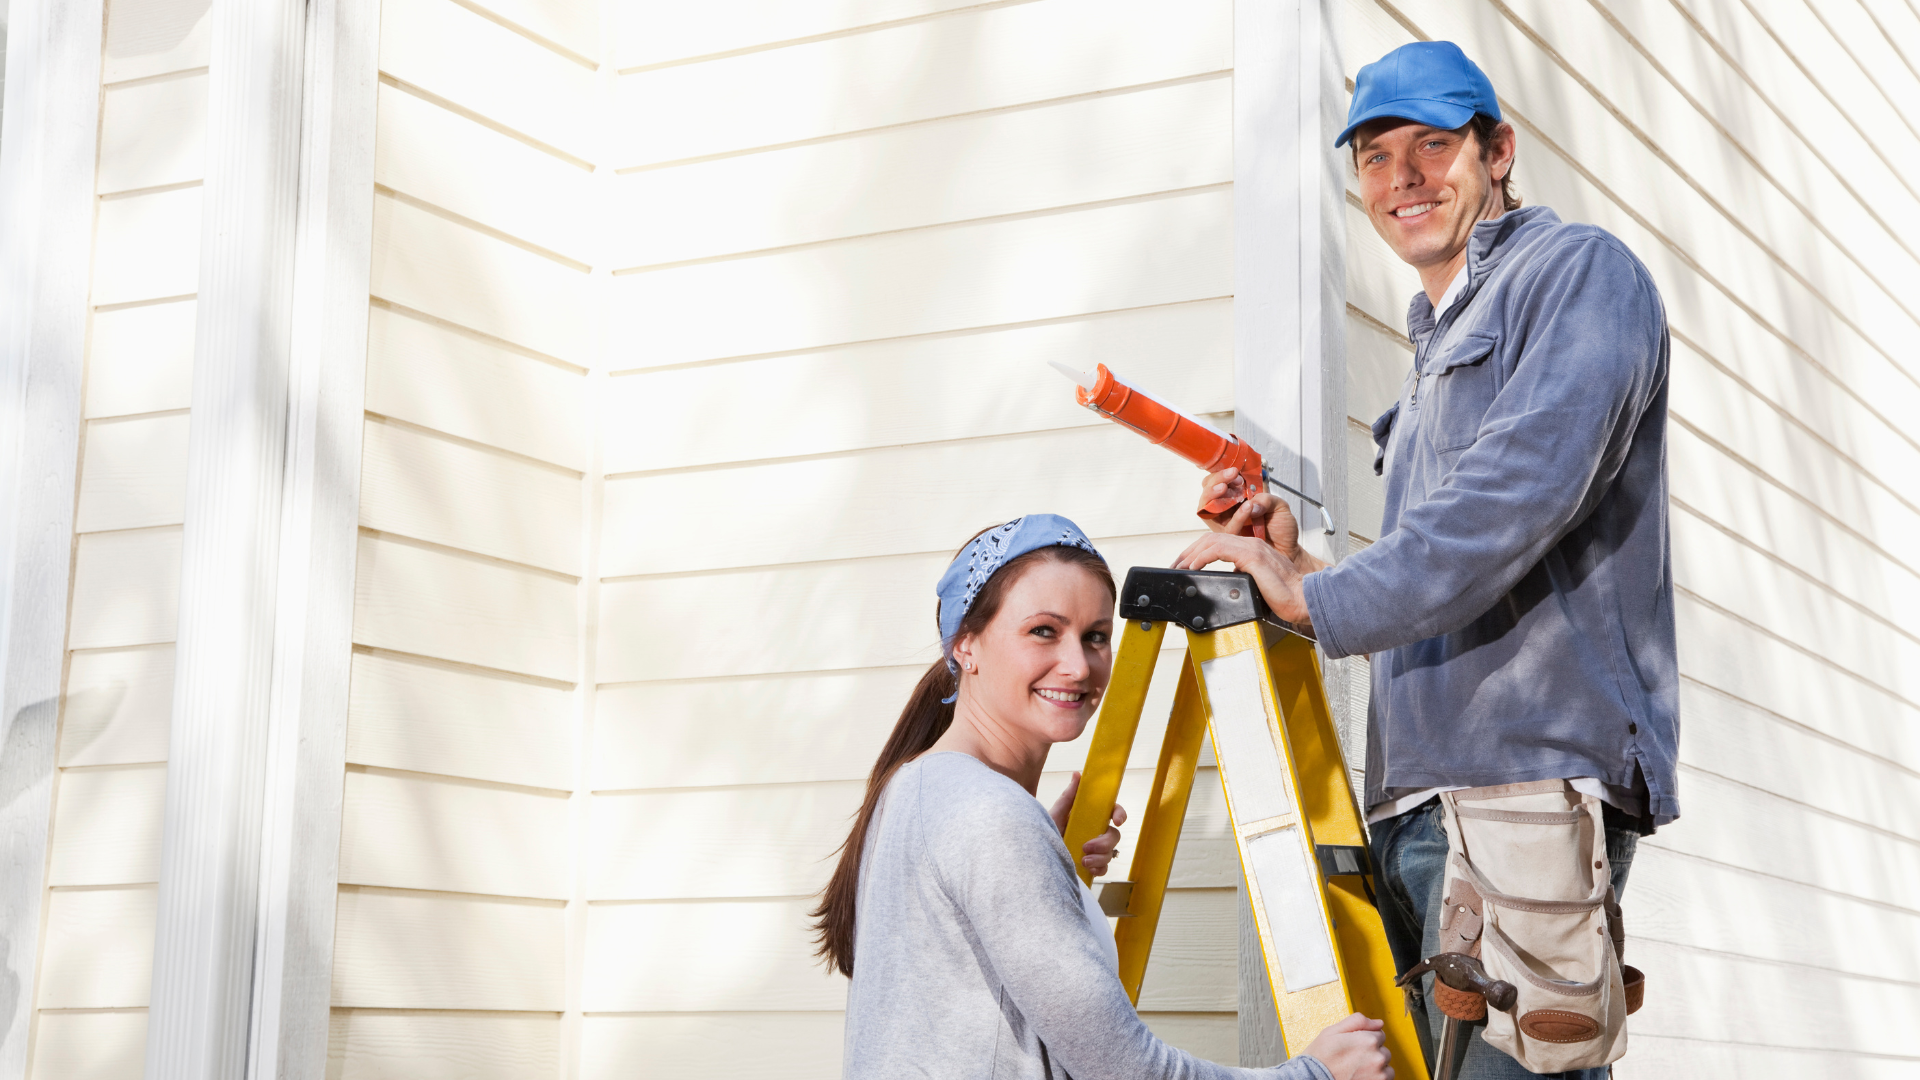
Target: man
(1519, 604)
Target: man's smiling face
(1425, 187)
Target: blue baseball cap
(1428, 82)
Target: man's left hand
(1278, 579)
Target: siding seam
(1699, 107)
(829, 35)
(929, 335)
(483, 120)
(1686, 257)
(840, 136)
(1686, 177)
(406, 540)
(1801, 727)
(531, 35)
(1782, 485)
(1825, 661)
(480, 227)
(1787, 565)
(931, 226)
(1805, 806)
(1807, 72)
(887, 448)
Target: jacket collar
(1489, 243)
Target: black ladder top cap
(1203, 600)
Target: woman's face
(1040, 666)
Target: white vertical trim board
(1289, 237)
(319, 541)
(206, 931)
(1289, 309)
(46, 217)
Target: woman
(979, 953)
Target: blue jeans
(1411, 851)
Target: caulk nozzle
(1084, 379)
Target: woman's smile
(1064, 699)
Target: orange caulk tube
(1101, 391)
(1173, 429)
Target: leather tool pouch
(1528, 892)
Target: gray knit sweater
(974, 952)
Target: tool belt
(1529, 895)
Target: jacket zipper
(1420, 354)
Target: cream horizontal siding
(1757, 158)
(457, 858)
(828, 306)
(658, 35)
(700, 338)
(104, 853)
(985, 59)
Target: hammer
(1463, 973)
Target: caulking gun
(1103, 392)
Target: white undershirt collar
(1454, 289)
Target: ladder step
(1337, 859)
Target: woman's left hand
(1097, 853)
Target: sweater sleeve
(1591, 358)
(1008, 872)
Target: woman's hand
(1097, 853)
(1353, 1049)
(1276, 576)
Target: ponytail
(921, 724)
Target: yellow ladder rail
(1253, 685)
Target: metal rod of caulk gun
(1326, 518)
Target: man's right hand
(1283, 532)
(1353, 1049)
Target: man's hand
(1353, 1049)
(1097, 853)
(1283, 529)
(1276, 576)
(1229, 483)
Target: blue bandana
(986, 554)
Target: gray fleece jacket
(975, 955)
(1519, 604)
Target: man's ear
(1506, 142)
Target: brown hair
(921, 724)
(1484, 128)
